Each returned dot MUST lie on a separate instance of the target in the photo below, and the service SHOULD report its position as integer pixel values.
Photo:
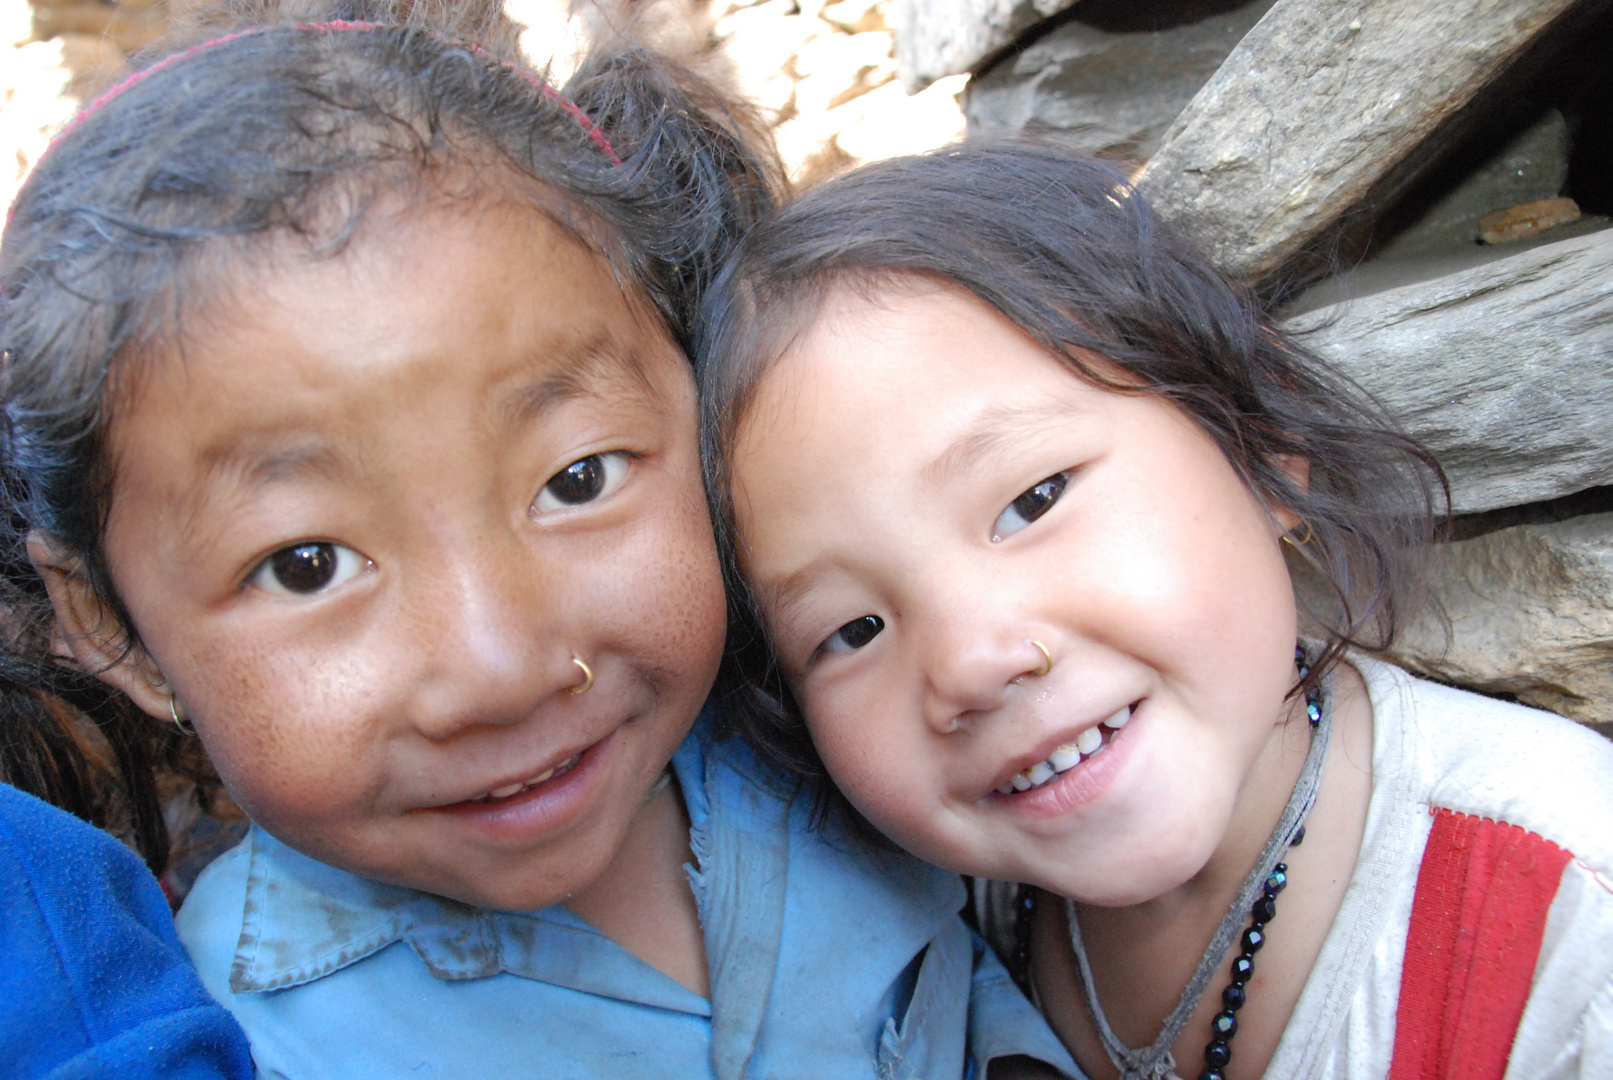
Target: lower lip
(546, 808)
(1079, 786)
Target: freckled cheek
(292, 738)
(662, 603)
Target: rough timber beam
(1505, 370)
(1317, 107)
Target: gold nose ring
(1047, 660)
(587, 683)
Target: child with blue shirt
(349, 427)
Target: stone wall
(823, 72)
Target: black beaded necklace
(1218, 1052)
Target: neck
(643, 901)
(1142, 956)
(1261, 801)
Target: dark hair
(293, 129)
(1062, 247)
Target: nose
(973, 656)
(488, 634)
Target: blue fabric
(93, 979)
(826, 959)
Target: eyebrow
(787, 595)
(585, 367)
(991, 429)
(786, 598)
(258, 462)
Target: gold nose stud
(1047, 660)
(587, 683)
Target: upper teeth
(521, 785)
(1066, 757)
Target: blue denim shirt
(827, 959)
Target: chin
(1107, 896)
(1125, 879)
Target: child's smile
(926, 499)
(1077, 750)
(369, 517)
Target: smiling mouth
(510, 791)
(1090, 742)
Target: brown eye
(854, 635)
(583, 481)
(308, 568)
(1031, 504)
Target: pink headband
(548, 91)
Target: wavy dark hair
(1062, 247)
(294, 128)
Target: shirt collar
(303, 920)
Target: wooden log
(1531, 614)
(1322, 104)
(1504, 370)
(1106, 89)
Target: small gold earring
(1288, 538)
(179, 721)
(1047, 660)
(587, 683)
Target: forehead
(371, 219)
(373, 222)
(891, 400)
(426, 278)
(487, 304)
(902, 365)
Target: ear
(87, 635)
(1298, 470)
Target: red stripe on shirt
(1477, 921)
